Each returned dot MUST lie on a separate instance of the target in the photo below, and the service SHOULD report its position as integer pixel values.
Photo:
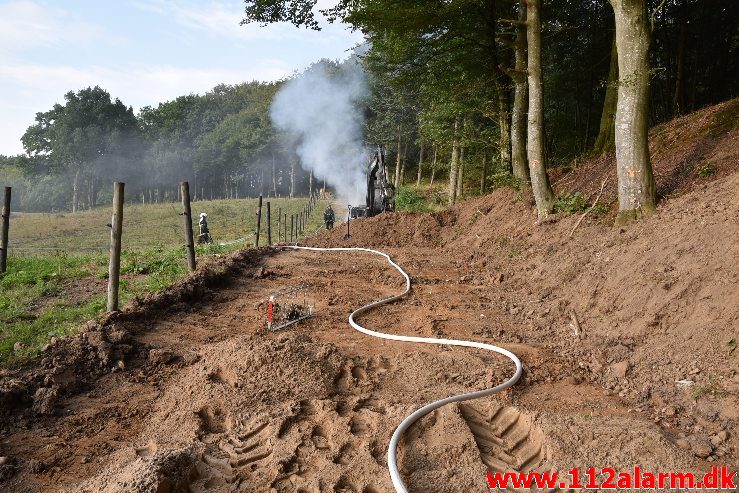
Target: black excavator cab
(380, 192)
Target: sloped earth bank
(187, 392)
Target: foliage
(408, 199)
(53, 286)
(570, 203)
(707, 170)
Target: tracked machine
(380, 192)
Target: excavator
(380, 192)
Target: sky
(142, 52)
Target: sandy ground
(186, 391)
(194, 395)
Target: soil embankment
(628, 337)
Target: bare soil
(625, 335)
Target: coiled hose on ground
(415, 416)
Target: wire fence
(153, 226)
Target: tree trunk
(396, 178)
(310, 184)
(274, 177)
(292, 178)
(402, 163)
(678, 99)
(76, 191)
(460, 173)
(420, 164)
(535, 142)
(484, 175)
(504, 123)
(453, 168)
(433, 167)
(605, 138)
(636, 186)
(520, 103)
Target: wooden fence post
(187, 222)
(292, 222)
(116, 230)
(279, 223)
(259, 219)
(269, 226)
(284, 226)
(6, 228)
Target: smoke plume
(321, 109)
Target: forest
(465, 95)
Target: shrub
(570, 203)
(408, 199)
(707, 170)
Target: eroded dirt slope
(627, 336)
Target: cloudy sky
(141, 51)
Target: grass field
(145, 226)
(57, 266)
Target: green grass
(144, 226)
(58, 263)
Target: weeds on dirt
(515, 248)
(50, 296)
(570, 203)
(34, 304)
(707, 170)
(712, 389)
(724, 120)
(573, 203)
(50, 293)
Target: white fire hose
(407, 422)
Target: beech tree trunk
(396, 178)
(292, 178)
(420, 165)
(504, 123)
(453, 168)
(484, 174)
(605, 138)
(433, 167)
(460, 173)
(636, 186)
(520, 103)
(76, 191)
(536, 138)
(678, 98)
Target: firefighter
(204, 236)
(329, 217)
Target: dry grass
(144, 226)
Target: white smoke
(321, 109)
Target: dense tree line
(222, 142)
(513, 87)
(464, 91)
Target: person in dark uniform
(204, 236)
(329, 217)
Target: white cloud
(33, 88)
(46, 51)
(25, 24)
(220, 19)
